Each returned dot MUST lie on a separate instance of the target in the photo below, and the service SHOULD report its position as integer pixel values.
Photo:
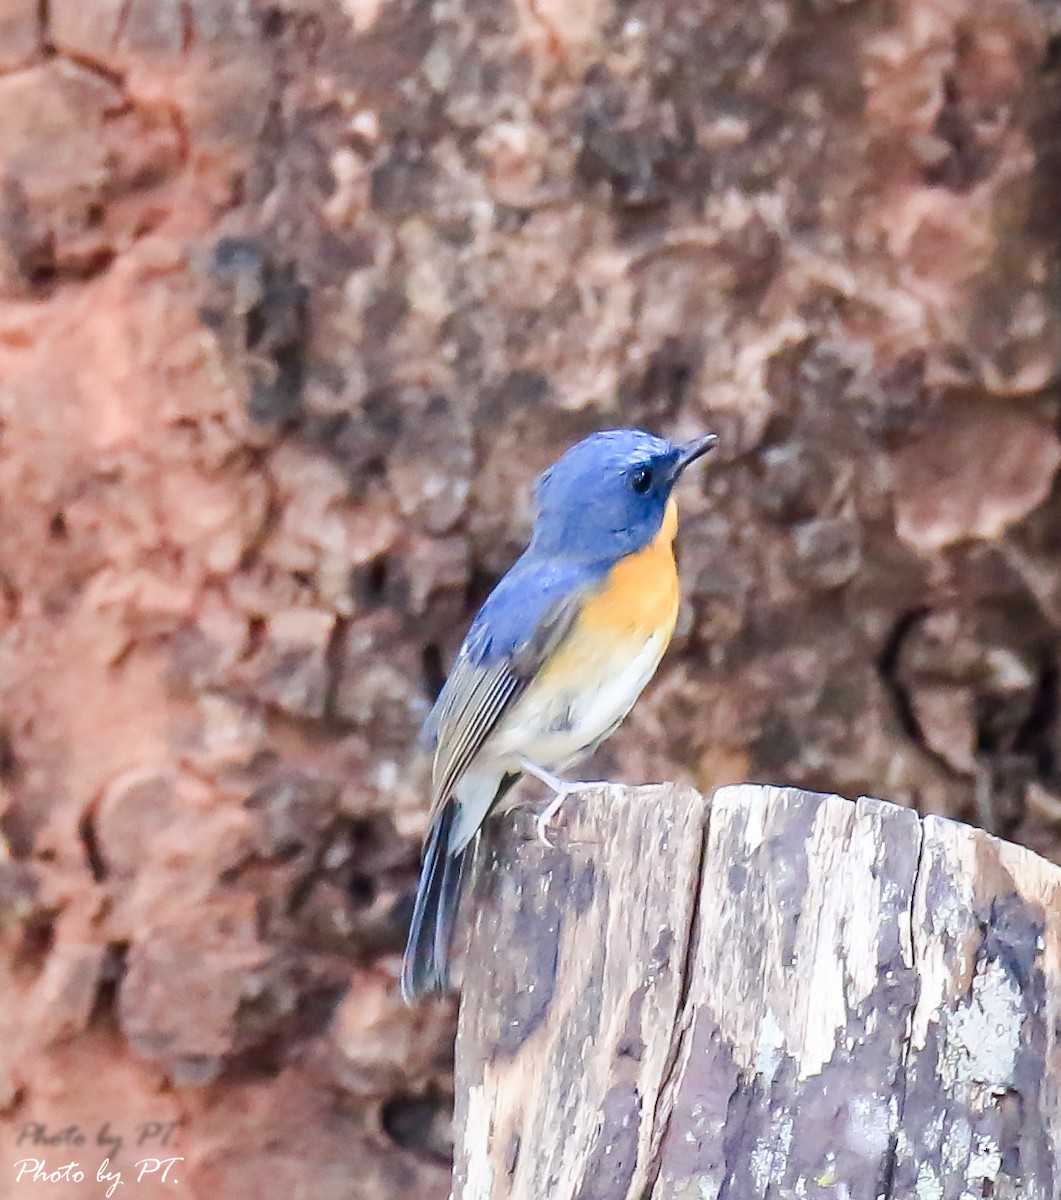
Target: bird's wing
(515, 632)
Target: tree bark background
(295, 300)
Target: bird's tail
(425, 967)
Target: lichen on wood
(780, 994)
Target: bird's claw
(544, 818)
(541, 826)
(541, 823)
(561, 789)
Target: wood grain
(782, 994)
(576, 968)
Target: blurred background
(296, 299)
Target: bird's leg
(561, 789)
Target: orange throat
(640, 596)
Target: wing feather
(482, 688)
(480, 698)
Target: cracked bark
(779, 994)
(298, 296)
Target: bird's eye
(641, 480)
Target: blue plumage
(502, 710)
(587, 507)
(513, 612)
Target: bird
(553, 661)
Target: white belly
(553, 730)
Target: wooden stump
(780, 994)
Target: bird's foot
(561, 789)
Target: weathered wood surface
(781, 994)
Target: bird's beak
(693, 450)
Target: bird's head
(607, 496)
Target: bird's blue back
(515, 608)
(588, 519)
(513, 612)
(588, 607)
